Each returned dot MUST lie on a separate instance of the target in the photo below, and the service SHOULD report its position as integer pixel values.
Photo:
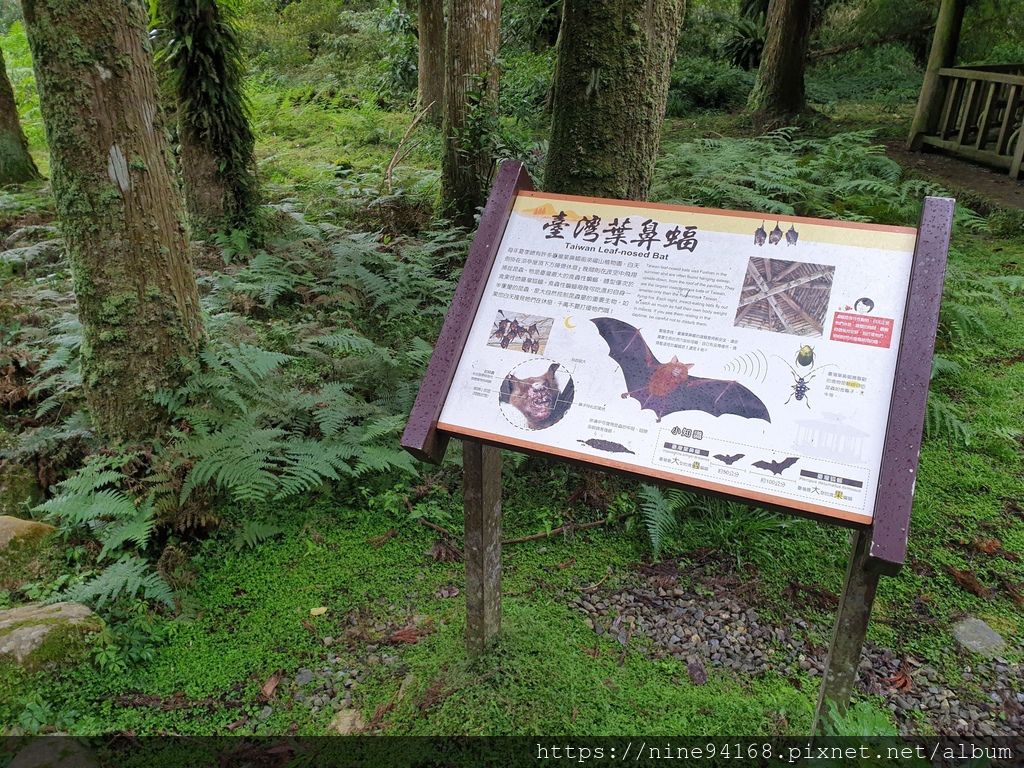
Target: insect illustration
(792, 235)
(760, 235)
(668, 387)
(776, 235)
(805, 355)
(800, 383)
(730, 460)
(776, 467)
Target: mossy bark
(779, 92)
(470, 105)
(431, 59)
(218, 165)
(16, 164)
(119, 207)
(611, 85)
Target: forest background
(270, 561)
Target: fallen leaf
(444, 552)
(238, 723)
(901, 680)
(567, 563)
(698, 675)
(318, 611)
(267, 691)
(987, 546)
(969, 581)
(448, 591)
(405, 635)
(308, 627)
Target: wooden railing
(982, 115)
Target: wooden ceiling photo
(785, 296)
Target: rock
(37, 634)
(977, 636)
(25, 531)
(347, 722)
(304, 676)
(29, 232)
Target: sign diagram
(705, 347)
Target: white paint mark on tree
(105, 74)
(117, 169)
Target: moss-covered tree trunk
(203, 59)
(16, 164)
(431, 59)
(119, 206)
(779, 91)
(470, 105)
(611, 85)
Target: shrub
(704, 83)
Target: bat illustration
(760, 235)
(775, 235)
(792, 235)
(606, 445)
(668, 387)
(730, 460)
(776, 467)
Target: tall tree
(611, 85)
(431, 59)
(118, 204)
(470, 104)
(203, 57)
(779, 91)
(16, 164)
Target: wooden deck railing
(982, 115)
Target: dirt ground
(961, 175)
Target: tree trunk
(611, 85)
(431, 61)
(16, 164)
(945, 41)
(470, 105)
(119, 207)
(779, 91)
(204, 62)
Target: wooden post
(850, 630)
(481, 488)
(942, 54)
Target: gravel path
(725, 630)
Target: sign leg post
(850, 631)
(481, 488)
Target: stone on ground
(347, 722)
(975, 635)
(39, 635)
(12, 528)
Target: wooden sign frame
(877, 549)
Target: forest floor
(353, 612)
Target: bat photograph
(776, 467)
(537, 401)
(668, 387)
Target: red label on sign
(856, 328)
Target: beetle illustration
(805, 355)
(801, 384)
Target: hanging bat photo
(730, 460)
(668, 387)
(776, 467)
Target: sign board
(767, 358)
(724, 350)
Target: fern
(942, 422)
(658, 510)
(252, 533)
(129, 577)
